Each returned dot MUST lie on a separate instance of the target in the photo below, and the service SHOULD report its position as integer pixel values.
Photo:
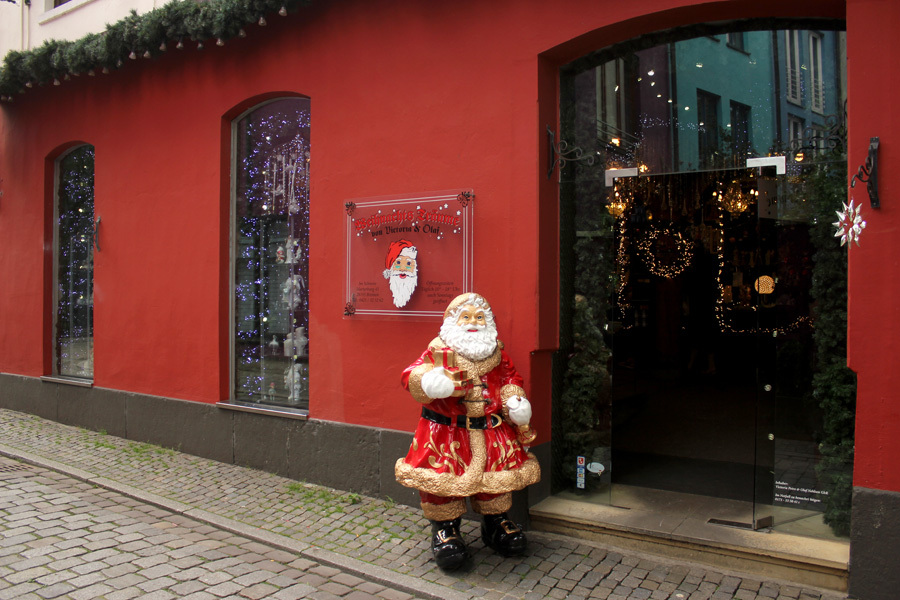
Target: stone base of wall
(346, 457)
(875, 545)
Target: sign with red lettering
(409, 255)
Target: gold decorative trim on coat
(444, 512)
(506, 392)
(475, 479)
(415, 383)
(498, 505)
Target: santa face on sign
(401, 271)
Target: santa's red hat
(395, 250)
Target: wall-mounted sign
(409, 255)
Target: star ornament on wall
(850, 223)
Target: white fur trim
(519, 410)
(436, 384)
(409, 251)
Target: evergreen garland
(834, 384)
(583, 418)
(145, 35)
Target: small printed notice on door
(407, 256)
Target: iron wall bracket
(868, 173)
(560, 154)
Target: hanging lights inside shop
(665, 251)
(734, 199)
(620, 201)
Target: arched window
(270, 250)
(73, 330)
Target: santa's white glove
(437, 384)
(519, 410)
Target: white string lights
(764, 285)
(665, 251)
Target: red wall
(420, 96)
(873, 88)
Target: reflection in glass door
(695, 270)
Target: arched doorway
(700, 282)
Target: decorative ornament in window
(665, 251)
(850, 223)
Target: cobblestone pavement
(63, 538)
(279, 527)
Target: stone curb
(374, 573)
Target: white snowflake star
(849, 224)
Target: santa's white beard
(402, 287)
(474, 345)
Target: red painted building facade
(406, 98)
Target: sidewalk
(374, 539)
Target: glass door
(696, 359)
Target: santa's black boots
(447, 544)
(504, 536)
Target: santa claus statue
(401, 271)
(471, 440)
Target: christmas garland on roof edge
(146, 35)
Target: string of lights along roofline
(180, 23)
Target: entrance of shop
(699, 341)
(700, 287)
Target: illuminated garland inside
(723, 319)
(146, 35)
(622, 264)
(683, 256)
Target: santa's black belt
(462, 421)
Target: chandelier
(733, 197)
(620, 201)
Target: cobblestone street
(88, 515)
(65, 538)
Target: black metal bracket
(815, 140)
(95, 235)
(464, 198)
(868, 173)
(560, 154)
(349, 207)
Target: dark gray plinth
(338, 455)
(263, 442)
(874, 544)
(29, 395)
(193, 427)
(91, 408)
(395, 445)
(347, 457)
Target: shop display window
(270, 256)
(74, 264)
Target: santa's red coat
(446, 460)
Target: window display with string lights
(74, 343)
(271, 255)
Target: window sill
(289, 413)
(61, 10)
(76, 381)
(738, 49)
